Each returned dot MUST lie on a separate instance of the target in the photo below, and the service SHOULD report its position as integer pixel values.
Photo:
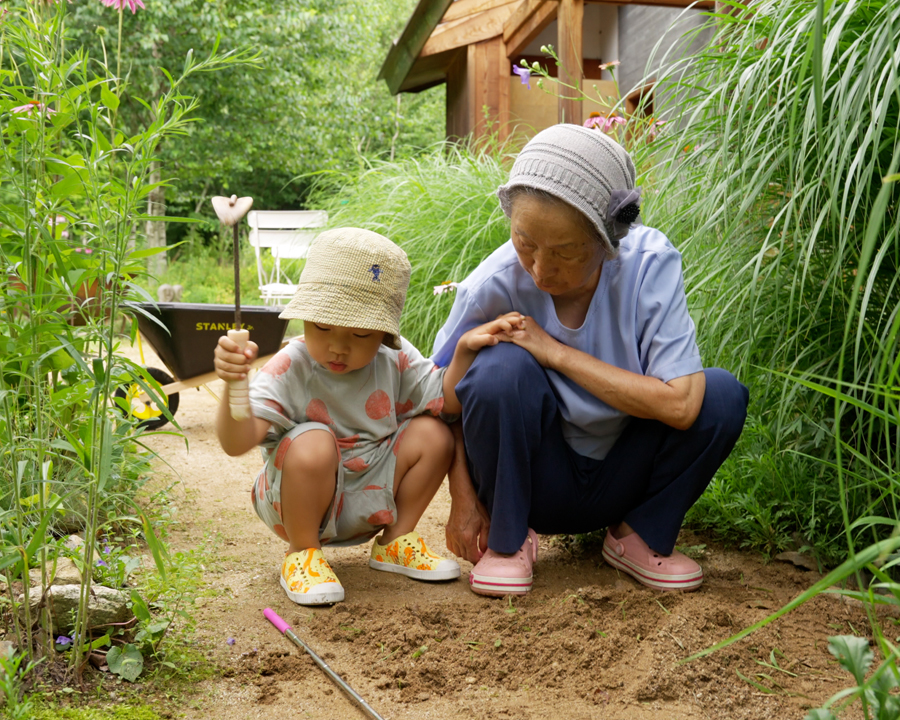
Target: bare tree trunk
(156, 229)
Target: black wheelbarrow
(184, 339)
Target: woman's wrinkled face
(341, 349)
(553, 246)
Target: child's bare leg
(308, 480)
(423, 460)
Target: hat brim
(344, 306)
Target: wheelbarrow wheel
(150, 416)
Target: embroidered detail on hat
(376, 273)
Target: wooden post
(570, 25)
(488, 71)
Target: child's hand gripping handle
(239, 390)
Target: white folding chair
(286, 234)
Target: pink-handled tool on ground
(285, 629)
(230, 211)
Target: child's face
(341, 349)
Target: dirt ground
(586, 644)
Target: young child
(347, 417)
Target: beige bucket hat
(353, 278)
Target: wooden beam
(521, 16)
(520, 36)
(464, 8)
(570, 27)
(430, 71)
(406, 49)
(700, 5)
(488, 87)
(475, 29)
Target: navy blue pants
(526, 475)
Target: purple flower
(119, 4)
(230, 641)
(63, 640)
(103, 563)
(523, 73)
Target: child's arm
(467, 348)
(236, 436)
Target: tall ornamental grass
(73, 195)
(771, 179)
(440, 207)
(778, 173)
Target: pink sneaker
(631, 555)
(499, 575)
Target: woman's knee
(726, 401)
(500, 372)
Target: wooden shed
(473, 45)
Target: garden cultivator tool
(230, 211)
(285, 629)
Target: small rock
(65, 573)
(422, 697)
(798, 559)
(470, 680)
(106, 606)
(7, 648)
(74, 542)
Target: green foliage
(854, 655)
(441, 208)
(127, 712)
(13, 669)
(313, 102)
(126, 662)
(73, 188)
(791, 251)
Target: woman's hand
(491, 332)
(532, 337)
(230, 363)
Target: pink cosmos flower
(119, 4)
(32, 106)
(606, 66)
(603, 123)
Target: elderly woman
(596, 412)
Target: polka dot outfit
(366, 411)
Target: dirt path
(585, 644)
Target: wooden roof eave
(405, 50)
(419, 59)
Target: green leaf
(127, 663)
(853, 654)
(146, 252)
(139, 607)
(67, 187)
(109, 98)
(156, 547)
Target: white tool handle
(239, 390)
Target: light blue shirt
(638, 321)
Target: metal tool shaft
(281, 625)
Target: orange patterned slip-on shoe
(408, 555)
(308, 579)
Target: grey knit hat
(584, 168)
(353, 278)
